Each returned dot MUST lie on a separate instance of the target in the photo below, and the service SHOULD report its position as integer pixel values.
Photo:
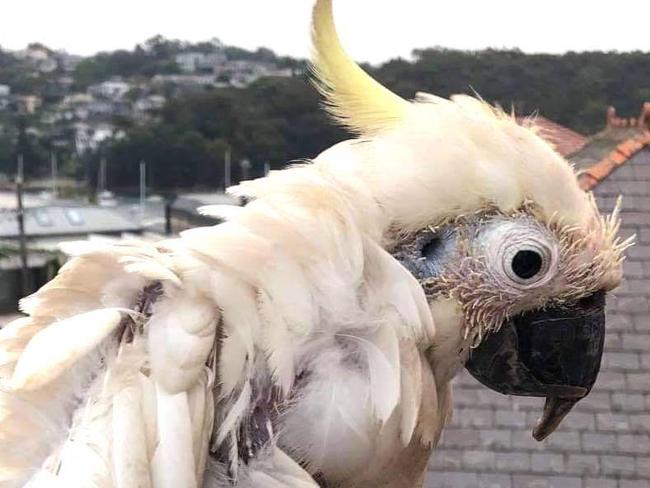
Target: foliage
(273, 121)
(277, 120)
(573, 89)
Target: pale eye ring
(522, 254)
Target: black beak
(554, 353)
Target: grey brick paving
(605, 441)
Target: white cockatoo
(311, 339)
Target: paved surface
(605, 441)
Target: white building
(195, 61)
(5, 91)
(89, 137)
(28, 103)
(184, 80)
(68, 62)
(48, 65)
(188, 62)
(33, 54)
(113, 89)
(149, 103)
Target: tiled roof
(619, 155)
(612, 147)
(565, 140)
(58, 220)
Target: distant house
(48, 65)
(149, 103)
(57, 222)
(192, 62)
(184, 80)
(188, 62)
(111, 90)
(88, 137)
(242, 73)
(34, 53)
(212, 61)
(28, 104)
(68, 62)
(77, 99)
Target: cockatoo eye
(526, 264)
(522, 253)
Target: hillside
(182, 106)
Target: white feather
(173, 463)
(411, 389)
(381, 350)
(278, 344)
(201, 406)
(57, 347)
(181, 337)
(241, 327)
(235, 414)
(130, 459)
(223, 212)
(85, 457)
(150, 270)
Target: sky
(373, 30)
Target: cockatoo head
(513, 256)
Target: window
(74, 216)
(42, 217)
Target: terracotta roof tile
(629, 147)
(617, 157)
(593, 175)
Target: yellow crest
(352, 97)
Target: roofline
(597, 173)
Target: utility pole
(143, 189)
(101, 178)
(55, 174)
(245, 167)
(20, 215)
(226, 169)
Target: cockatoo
(311, 339)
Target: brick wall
(605, 441)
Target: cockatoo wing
(111, 378)
(200, 341)
(75, 387)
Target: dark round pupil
(526, 264)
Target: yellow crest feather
(352, 96)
